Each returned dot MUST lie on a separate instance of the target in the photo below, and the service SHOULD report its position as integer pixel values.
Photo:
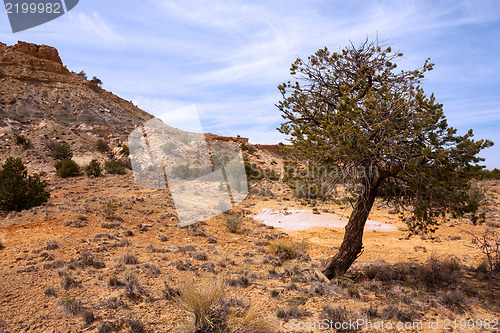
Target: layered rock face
(34, 84)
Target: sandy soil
(168, 255)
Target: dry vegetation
(104, 255)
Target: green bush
(102, 146)
(255, 172)
(22, 141)
(67, 168)
(114, 167)
(489, 174)
(61, 151)
(109, 208)
(125, 150)
(93, 169)
(18, 190)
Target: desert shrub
(339, 315)
(1, 245)
(68, 282)
(151, 270)
(106, 327)
(93, 169)
(110, 225)
(125, 150)
(115, 282)
(96, 80)
(233, 223)
(52, 245)
(135, 325)
(18, 190)
(394, 311)
(205, 301)
(287, 249)
(71, 306)
(88, 317)
(489, 244)
(252, 321)
(114, 303)
(129, 259)
(292, 309)
(169, 292)
(88, 258)
(431, 274)
(67, 168)
(201, 256)
(102, 146)
(50, 292)
(241, 281)
(108, 209)
(253, 171)
(83, 74)
(114, 167)
(61, 151)
(133, 287)
(454, 299)
(21, 141)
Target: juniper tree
(18, 190)
(352, 110)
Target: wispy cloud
(94, 25)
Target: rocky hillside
(34, 84)
(41, 100)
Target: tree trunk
(352, 245)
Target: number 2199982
(33, 8)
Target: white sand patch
(305, 219)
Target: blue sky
(227, 57)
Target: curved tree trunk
(352, 245)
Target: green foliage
(109, 209)
(489, 174)
(83, 74)
(114, 167)
(102, 146)
(67, 168)
(61, 151)
(353, 111)
(125, 150)
(255, 173)
(93, 169)
(21, 141)
(96, 80)
(18, 190)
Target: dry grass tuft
(205, 301)
(252, 321)
(287, 249)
